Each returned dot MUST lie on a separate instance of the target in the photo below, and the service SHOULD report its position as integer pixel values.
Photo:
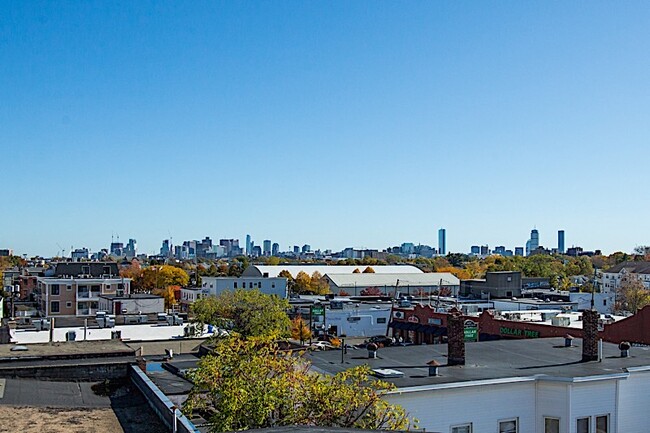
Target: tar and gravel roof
(489, 360)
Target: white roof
(273, 271)
(405, 280)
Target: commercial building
(213, 286)
(270, 271)
(442, 242)
(533, 243)
(560, 241)
(355, 319)
(356, 284)
(504, 284)
(139, 303)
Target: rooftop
(499, 359)
(273, 271)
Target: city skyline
(338, 124)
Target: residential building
(442, 242)
(188, 296)
(610, 279)
(74, 288)
(560, 241)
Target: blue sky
(336, 124)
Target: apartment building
(74, 289)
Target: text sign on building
(471, 330)
(318, 310)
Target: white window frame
(515, 419)
(609, 421)
(467, 424)
(588, 418)
(559, 421)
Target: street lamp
(343, 350)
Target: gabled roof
(631, 267)
(273, 271)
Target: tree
(247, 312)
(250, 384)
(290, 281)
(300, 329)
(369, 270)
(302, 283)
(632, 294)
(169, 293)
(318, 284)
(160, 277)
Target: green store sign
(513, 332)
(317, 311)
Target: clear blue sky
(336, 124)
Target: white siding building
(612, 277)
(213, 286)
(516, 386)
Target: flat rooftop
(487, 360)
(62, 350)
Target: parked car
(380, 340)
(321, 345)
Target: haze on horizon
(330, 123)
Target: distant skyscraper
(442, 242)
(306, 248)
(519, 251)
(275, 249)
(560, 241)
(475, 249)
(249, 246)
(266, 250)
(296, 249)
(533, 242)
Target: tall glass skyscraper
(560, 241)
(533, 242)
(442, 242)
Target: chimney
(433, 367)
(455, 340)
(624, 347)
(590, 335)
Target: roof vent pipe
(568, 340)
(624, 346)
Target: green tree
(250, 384)
(247, 312)
(290, 281)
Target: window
(250, 285)
(107, 270)
(54, 307)
(273, 285)
(381, 320)
(68, 288)
(582, 425)
(551, 425)
(68, 304)
(235, 284)
(602, 424)
(85, 270)
(54, 290)
(465, 428)
(508, 426)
